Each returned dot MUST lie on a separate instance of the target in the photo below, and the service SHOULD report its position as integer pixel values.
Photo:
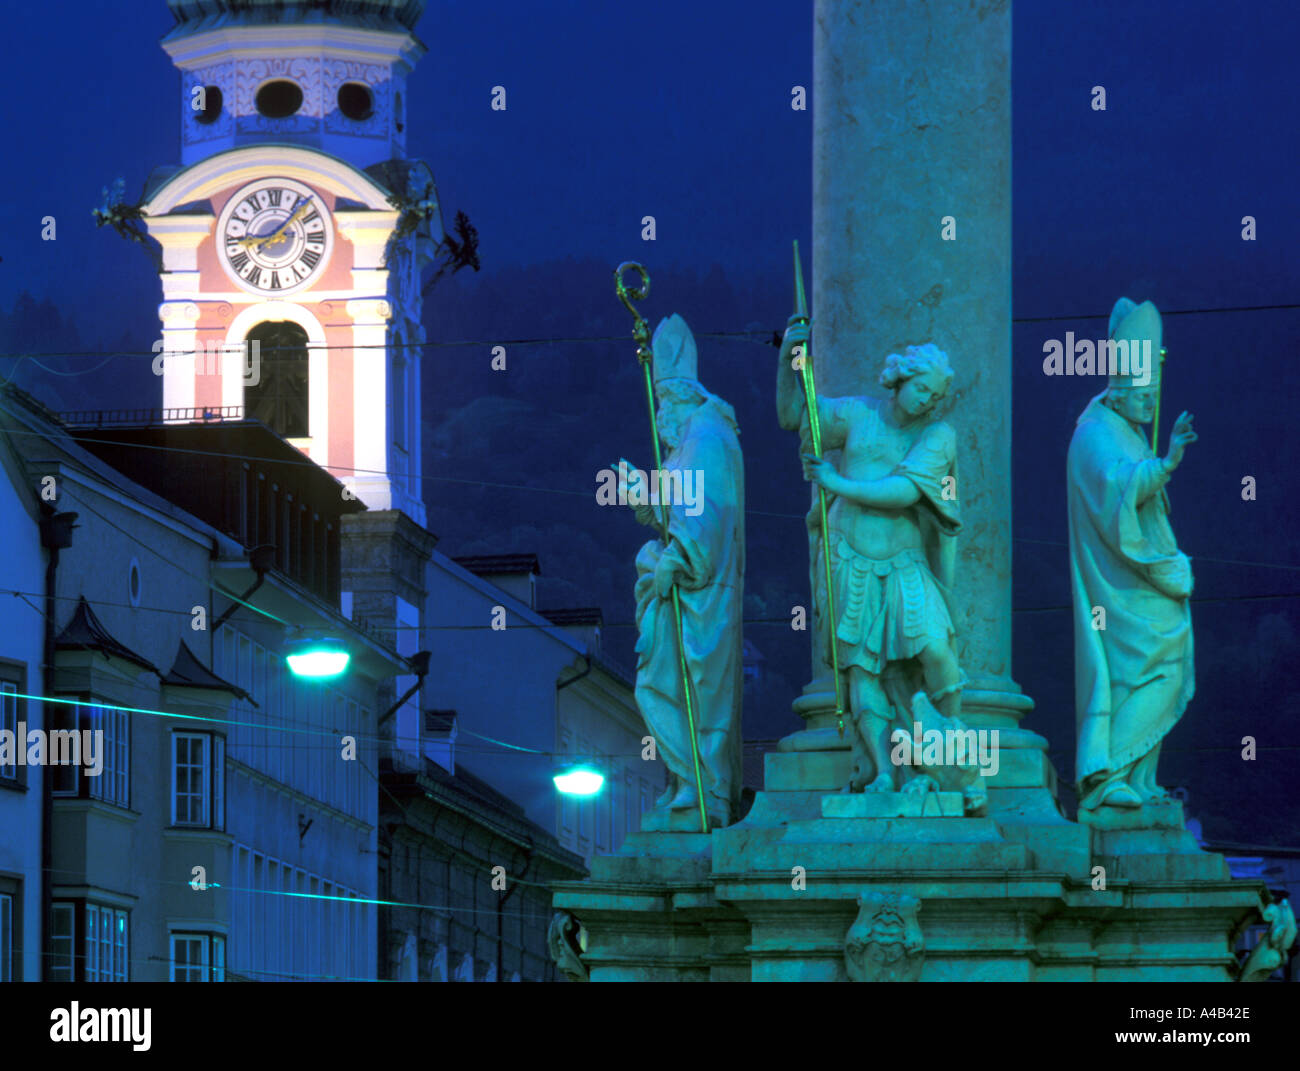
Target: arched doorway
(280, 399)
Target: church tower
(294, 232)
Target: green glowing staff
(644, 353)
(1155, 419)
(815, 431)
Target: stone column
(912, 132)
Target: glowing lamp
(316, 658)
(579, 781)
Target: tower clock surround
(274, 236)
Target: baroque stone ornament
(1134, 673)
(885, 943)
(1271, 952)
(567, 941)
(891, 526)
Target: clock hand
(260, 240)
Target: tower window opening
(280, 399)
(211, 110)
(356, 101)
(279, 100)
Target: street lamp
(316, 657)
(579, 780)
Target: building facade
(235, 830)
(226, 787)
(21, 658)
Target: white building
(22, 631)
(230, 832)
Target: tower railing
(107, 418)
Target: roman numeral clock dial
(274, 237)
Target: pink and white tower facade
(294, 231)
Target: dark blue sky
(681, 111)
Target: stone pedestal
(1008, 897)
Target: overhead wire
(747, 333)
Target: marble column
(912, 125)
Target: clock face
(274, 236)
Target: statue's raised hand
(1179, 439)
(796, 335)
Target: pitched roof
(575, 615)
(496, 564)
(85, 632)
(188, 672)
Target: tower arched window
(279, 399)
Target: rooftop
(498, 564)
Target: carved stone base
(1161, 814)
(675, 820)
(893, 805)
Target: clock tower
(294, 231)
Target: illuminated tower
(295, 222)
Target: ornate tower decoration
(294, 232)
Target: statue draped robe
(710, 550)
(892, 614)
(1134, 677)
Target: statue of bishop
(703, 556)
(1132, 617)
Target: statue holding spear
(885, 525)
(690, 579)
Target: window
(9, 718)
(355, 101)
(133, 583)
(106, 944)
(601, 809)
(279, 99)
(61, 942)
(8, 960)
(113, 783)
(400, 374)
(111, 747)
(104, 941)
(198, 957)
(211, 109)
(198, 780)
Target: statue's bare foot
(974, 798)
(1153, 794)
(1123, 796)
(921, 784)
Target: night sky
(682, 111)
